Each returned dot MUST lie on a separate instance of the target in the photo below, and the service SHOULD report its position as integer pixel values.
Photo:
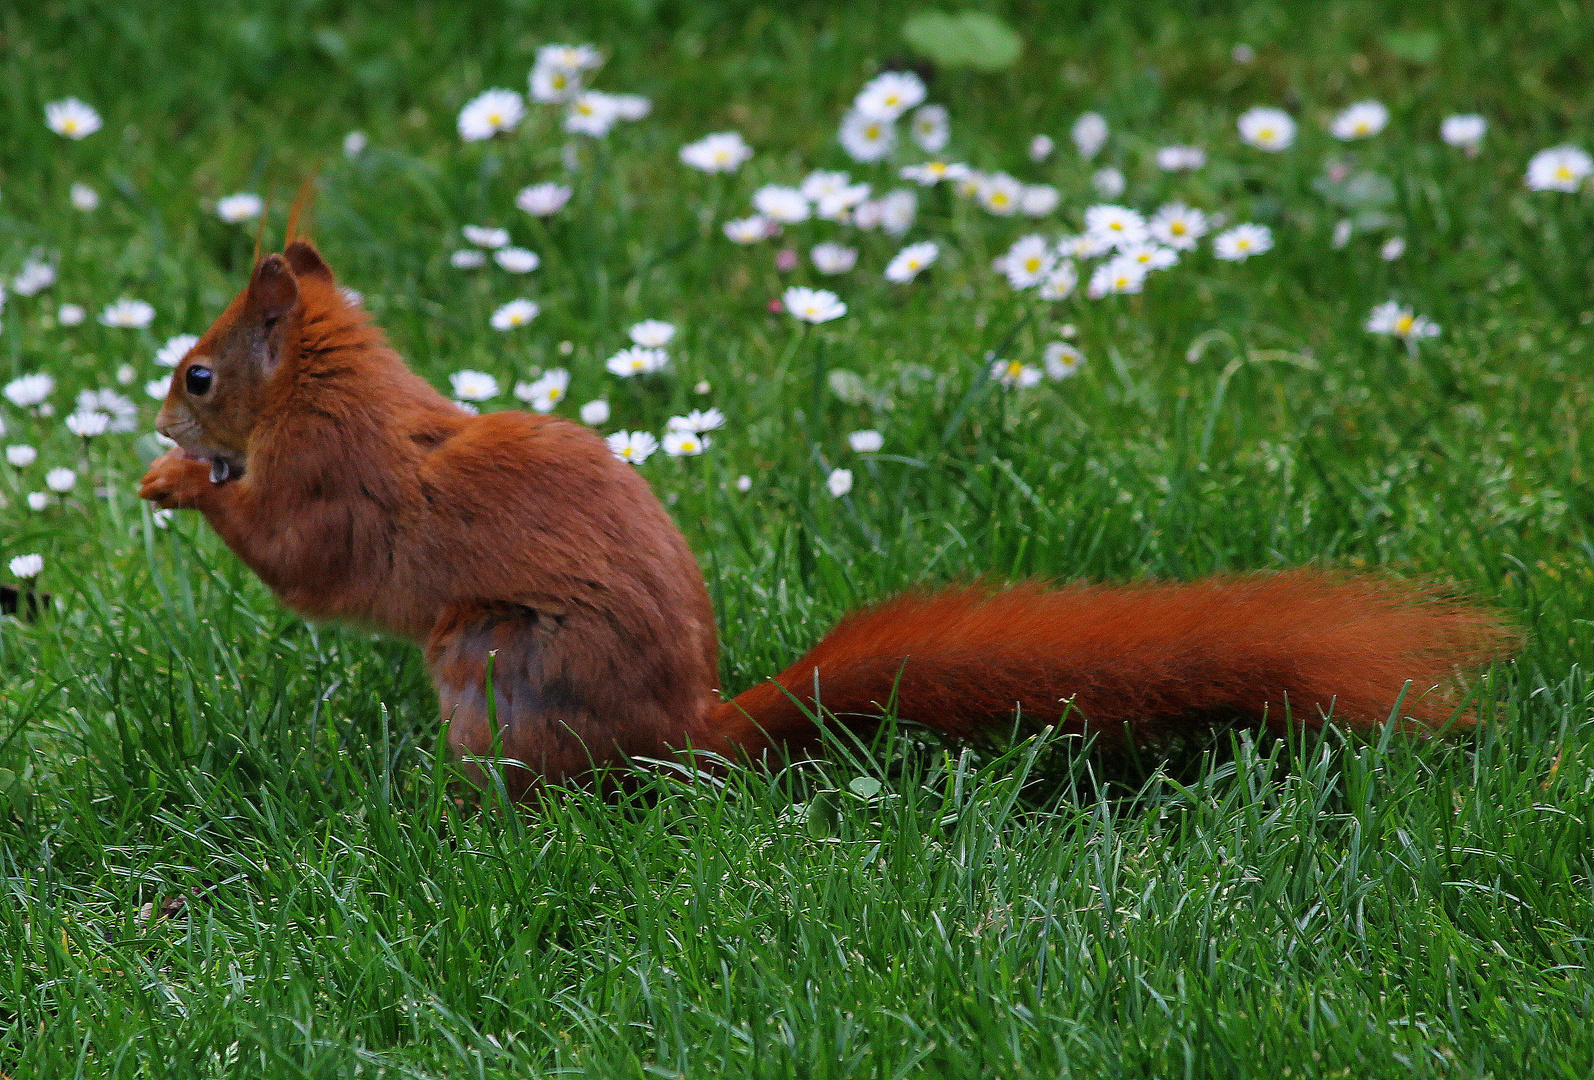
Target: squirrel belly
(565, 622)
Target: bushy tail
(1143, 659)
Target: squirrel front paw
(175, 481)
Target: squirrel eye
(198, 380)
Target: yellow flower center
(554, 393)
(999, 198)
(495, 118)
(70, 125)
(1014, 369)
(1563, 173)
(1176, 228)
(1404, 324)
(1264, 134)
(871, 132)
(1032, 264)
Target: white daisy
(1041, 147)
(835, 205)
(813, 305)
(244, 206)
(866, 442)
(473, 385)
(999, 193)
(540, 200)
(1086, 245)
(1342, 230)
(897, 209)
(468, 259)
(129, 314)
(637, 361)
(1119, 274)
(594, 413)
(60, 480)
(833, 258)
(724, 151)
(37, 500)
(1063, 360)
(1089, 134)
(932, 128)
(72, 118)
(514, 314)
(1059, 282)
(1393, 248)
(866, 138)
(749, 230)
(88, 424)
(591, 113)
(27, 566)
(839, 482)
(490, 112)
(552, 83)
(889, 95)
(821, 182)
(911, 261)
(1464, 130)
(1119, 224)
(1390, 318)
(634, 447)
(1242, 241)
(1028, 261)
(933, 172)
(1267, 128)
(354, 144)
(652, 333)
(84, 198)
(33, 278)
(1151, 256)
(517, 260)
(121, 412)
(1109, 183)
(1560, 168)
(158, 388)
(698, 420)
(744, 483)
(485, 235)
(21, 456)
(630, 106)
(1180, 158)
(1360, 121)
(546, 392)
(782, 205)
(1038, 200)
(1015, 373)
(1177, 226)
(679, 443)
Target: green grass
(1328, 908)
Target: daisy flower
(1464, 130)
(839, 482)
(244, 206)
(158, 388)
(637, 361)
(1342, 230)
(473, 385)
(490, 112)
(698, 420)
(836, 205)
(84, 198)
(1117, 275)
(467, 259)
(833, 258)
(931, 128)
(897, 209)
(933, 172)
(724, 151)
(1109, 183)
(129, 314)
(1038, 200)
(889, 95)
(33, 278)
(821, 182)
(999, 193)
(1027, 262)
(1177, 226)
(1151, 256)
(782, 205)
(121, 412)
(514, 314)
(540, 200)
(546, 392)
(1041, 147)
(813, 305)
(517, 260)
(354, 144)
(72, 118)
(1063, 360)
(1180, 158)
(60, 480)
(1089, 134)
(591, 113)
(1390, 318)
(1360, 121)
(866, 138)
(630, 106)
(1059, 283)
(866, 442)
(37, 500)
(1393, 248)
(1267, 128)
(86, 425)
(1015, 373)
(1118, 224)
(744, 483)
(594, 413)
(21, 456)
(27, 566)
(1560, 168)
(1242, 241)
(678, 443)
(569, 57)
(911, 260)
(485, 236)
(749, 230)
(551, 83)
(1086, 245)
(652, 333)
(634, 447)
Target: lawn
(229, 844)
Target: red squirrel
(359, 493)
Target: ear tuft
(273, 290)
(306, 260)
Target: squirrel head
(221, 387)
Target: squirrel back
(566, 624)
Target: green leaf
(971, 39)
(865, 787)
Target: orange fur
(358, 493)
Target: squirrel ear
(273, 291)
(306, 260)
